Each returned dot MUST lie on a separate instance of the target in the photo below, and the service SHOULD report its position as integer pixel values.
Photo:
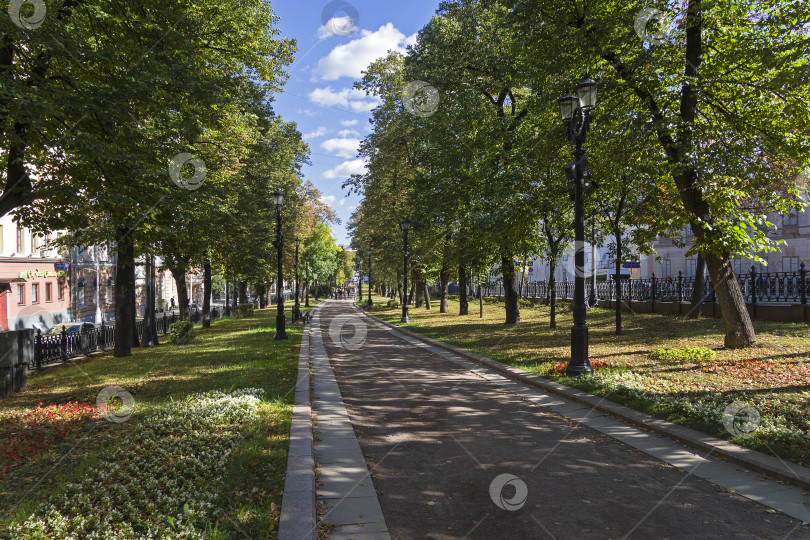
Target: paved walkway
(454, 450)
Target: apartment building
(34, 279)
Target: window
(35, 242)
(790, 264)
(691, 268)
(110, 293)
(35, 293)
(665, 268)
(80, 296)
(736, 265)
(21, 294)
(791, 218)
(48, 294)
(60, 291)
(1, 239)
(20, 241)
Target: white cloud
(320, 132)
(346, 133)
(351, 208)
(337, 26)
(341, 202)
(348, 98)
(349, 123)
(345, 169)
(350, 59)
(328, 199)
(345, 148)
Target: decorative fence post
(64, 343)
(652, 291)
(680, 288)
(753, 285)
(38, 350)
(803, 282)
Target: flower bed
(31, 433)
(158, 481)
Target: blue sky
(319, 95)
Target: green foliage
(245, 310)
(181, 332)
(392, 303)
(683, 354)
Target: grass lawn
(58, 435)
(768, 384)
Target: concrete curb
(771, 466)
(298, 517)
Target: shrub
(245, 310)
(181, 332)
(684, 354)
(393, 303)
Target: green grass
(773, 376)
(233, 353)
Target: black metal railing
(52, 348)
(775, 287)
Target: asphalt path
(452, 455)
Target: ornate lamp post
(296, 314)
(369, 303)
(405, 226)
(306, 282)
(281, 323)
(575, 112)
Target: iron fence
(765, 287)
(53, 348)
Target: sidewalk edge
(298, 508)
(754, 460)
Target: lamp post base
(405, 318)
(281, 323)
(579, 363)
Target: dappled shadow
(435, 437)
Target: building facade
(34, 279)
(792, 228)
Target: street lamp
(296, 315)
(281, 323)
(575, 112)
(368, 251)
(405, 226)
(306, 283)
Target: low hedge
(181, 332)
(245, 310)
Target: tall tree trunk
(420, 294)
(179, 275)
(618, 281)
(227, 297)
(243, 292)
(207, 293)
(739, 329)
(444, 279)
(149, 322)
(426, 292)
(699, 285)
(510, 289)
(463, 307)
(124, 291)
(552, 293)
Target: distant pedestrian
(173, 304)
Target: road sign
(631, 264)
(531, 269)
(60, 266)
